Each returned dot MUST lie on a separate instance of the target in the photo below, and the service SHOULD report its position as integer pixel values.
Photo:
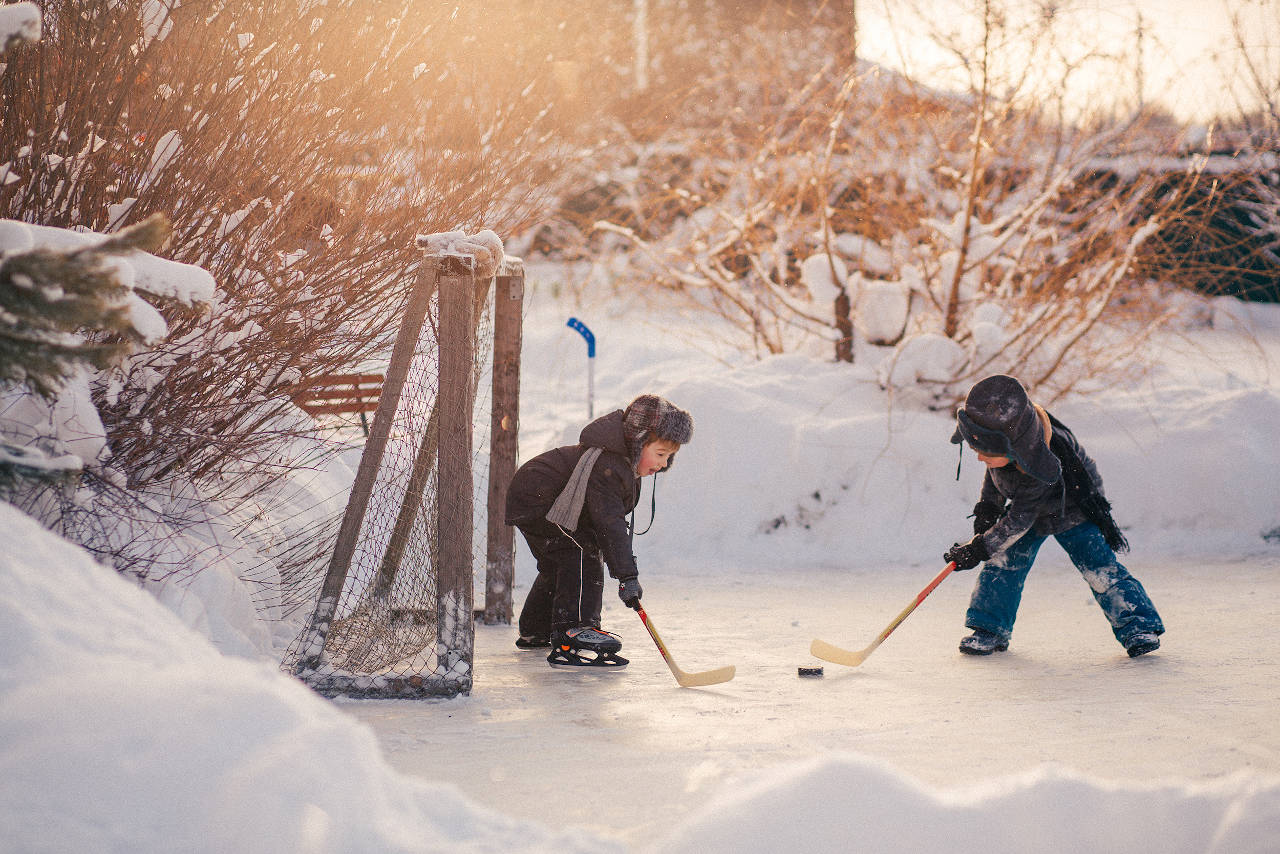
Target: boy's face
(991, 461)
(655, 456)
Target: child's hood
(606, 433)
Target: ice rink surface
(630, 754)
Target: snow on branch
(19, 24)
(148, 273)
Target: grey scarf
(568, 507)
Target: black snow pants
(569, 589)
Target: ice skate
(533, 642)
(585, 646)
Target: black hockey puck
(809, 671)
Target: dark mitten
(629, 592)
(985, 514)
(968, 555)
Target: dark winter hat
(999, 419)
(650, 414)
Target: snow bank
(798, 461)
(852, 804)
(122, 730)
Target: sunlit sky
(1188, 53)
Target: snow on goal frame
(394, 617)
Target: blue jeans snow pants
(994, 603)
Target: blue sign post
(581, 328)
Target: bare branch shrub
(986, 213)
(1254, 59)
(297, 150)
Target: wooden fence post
(504, 434)
(455, 627)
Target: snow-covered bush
(924, 365)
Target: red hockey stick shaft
(906, 612)
(828, 652)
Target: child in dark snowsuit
(571, 504)
(1039, 483)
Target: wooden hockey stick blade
(836, 655)
(706, 677)
(683, 679)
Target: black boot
(1141, 644)
(983, 642)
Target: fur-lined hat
(650, 414)
(999, 419)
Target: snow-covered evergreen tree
(62, 310)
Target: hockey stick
(828, 652)
(685, 680)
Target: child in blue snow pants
(1039, 483)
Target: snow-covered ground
(801, 509)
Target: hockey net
(393, 616)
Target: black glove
(985, 514)
(629, 592)
(967, 555)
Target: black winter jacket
(612, 492)
(1044, 507)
